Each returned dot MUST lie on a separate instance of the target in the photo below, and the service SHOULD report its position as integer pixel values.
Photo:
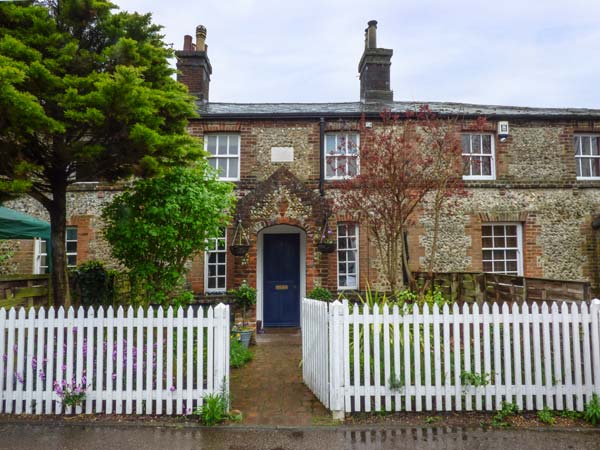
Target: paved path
(91, 437)
(269, 390)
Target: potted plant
(327, 243)
(244, 297)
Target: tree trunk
(58, 218)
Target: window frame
(344, 155)
(38, 268)
(578, 158)
(356, 258)
(216, 290)
(492, 155)
(519, 247)
(228, 157)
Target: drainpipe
(321, 156)
(596, 244)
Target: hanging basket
(326, 247)
(240, 243)
(239, 249)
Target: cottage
(532, 210)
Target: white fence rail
(471, 358)
(151, 361)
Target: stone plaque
(282, 154)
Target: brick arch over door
(281, 199)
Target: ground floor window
(40, 255)
(215, 264)
(501, 244)
(347, 253)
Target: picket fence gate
(357, 358)
(151, 361)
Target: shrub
(93, 284)
(239, 355)
(592, 410)
(158, 224)
(320, 293)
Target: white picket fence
(150, 361)
(471, 358)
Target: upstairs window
(341, 155)
(215, 263)
(224, 154)
(347, 253)
(478, 156)
(587, 156)
(501, 244)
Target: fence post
(336, 360)
(595, 312)
(221, 349)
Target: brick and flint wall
(535, 185)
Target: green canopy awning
(16, 225)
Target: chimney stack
(193, 65)
(374, 69)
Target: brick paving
(269, 390)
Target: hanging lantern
(240, 243)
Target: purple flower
(34, 363)
(114, 376)
(5, 357)
(42, 375)
(74, 329)
(172, 388)
(64, 368)
(19, 377)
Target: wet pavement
(269, 390)
(73, 437)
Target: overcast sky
(509, 52)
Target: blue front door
(281, 280)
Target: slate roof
(351, 109)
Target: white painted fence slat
(29, 357)
(138, 359)
(587, 359)
(47, 371)
(417, 357)
(367, 357)
(558, 379)
(386, 357)
(89, 363)
(110, 360)
(376, 357)
(427, 357)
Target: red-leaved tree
(404, 160)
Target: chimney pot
(372, 34)
(187, 43)
(200, 38)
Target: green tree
(157, 225)
(82, 85)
